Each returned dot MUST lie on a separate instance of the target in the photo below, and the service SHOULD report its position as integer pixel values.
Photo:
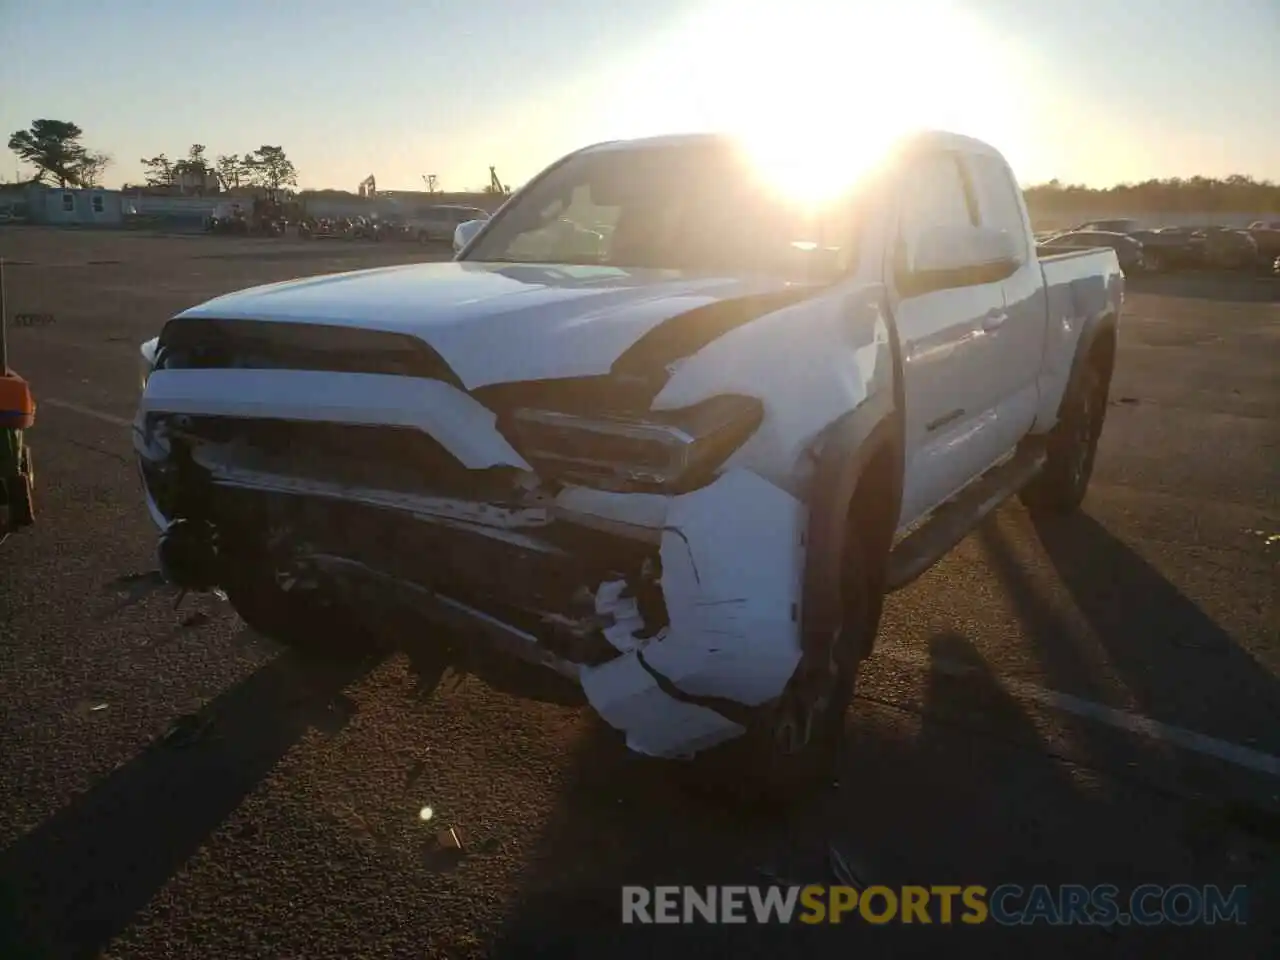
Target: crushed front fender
(732, 558)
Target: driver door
(951, 382)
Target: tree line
(1234, 194)
(265, 167)
(56, 149)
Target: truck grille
(193, 343)
(386, 458)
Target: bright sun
(816, 89)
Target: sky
(1085, 91)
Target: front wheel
(307, 620)
(1072, 447)
(794, 748)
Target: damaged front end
(568, 522)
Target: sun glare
(817, 89)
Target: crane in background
(496, 185)
(368, 187)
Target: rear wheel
(1072, 447)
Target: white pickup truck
(681, 466)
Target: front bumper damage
(677, 615)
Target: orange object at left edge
(17, 406)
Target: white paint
(642, 512)
(810, 363)
(655, 725)
(731, 566)
(1134, 723)
(84, 411)
(494, 323)
(625, 613)
(1077, 288)
(731, 571)
(455, 419)
(1232, 753)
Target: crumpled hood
(495, 323)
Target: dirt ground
(174, 786)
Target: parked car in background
(1228, 249)
(1171, 248)
(438, 223)
(1266, 234)
(1128, 250)
(1122, 225)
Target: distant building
(200, 184)
(38, 203)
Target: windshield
(688, 208)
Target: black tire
(305, 620)
(769, 765)
(1072, 447)
(23, 511)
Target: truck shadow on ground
(73, 883)
(962, 783)
(1176, 663)
(1140, 621)
(924, 795)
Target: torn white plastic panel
(731, 570)
(637, 515)
(625, 612)
(456, 420)
(810, 363)
(731, 574)
(656, 725)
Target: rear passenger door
(951, 386)
(1016, 343)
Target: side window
(97, 203)
(998, 199)
(934, 193)
(68, 202)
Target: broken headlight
(663, 451)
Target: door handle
(994, 320)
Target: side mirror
(465, 232)
(954, 255)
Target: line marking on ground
(1223, 750)
(85, 411)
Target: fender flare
(851, 444)
(1095, 329)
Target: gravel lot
(172, 785)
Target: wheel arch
(857, 483)
(1098, 340)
